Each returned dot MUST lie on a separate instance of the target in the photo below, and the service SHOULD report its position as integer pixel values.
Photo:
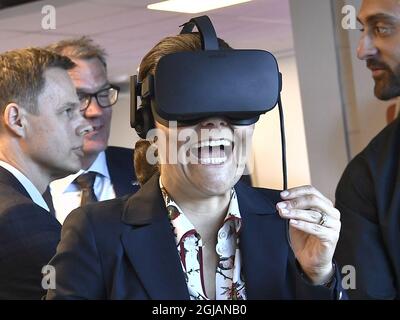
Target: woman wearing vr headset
(194, 232)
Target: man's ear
(13, 118)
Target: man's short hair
(21, 75)
(79, 48)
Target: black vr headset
(238, 85)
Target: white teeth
(209, 152)
(213, 160)
(213, 143)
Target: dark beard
(388, 86)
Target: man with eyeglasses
(107, 172)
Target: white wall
(267, 140)
(121, 132)
(320, 84)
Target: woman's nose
(366, 48)
(214, 122)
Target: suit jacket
(368, 197)
(122, 173)
(125, 249)
(28, 239)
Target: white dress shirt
(67, 196)
(33, 192)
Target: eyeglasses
(105, 97)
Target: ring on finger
(324, 219)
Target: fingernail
(282, 205)
(285, 211)
(294, 221)
(284, 193)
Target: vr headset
(187, 87)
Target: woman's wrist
(322, 277)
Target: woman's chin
(212, 182)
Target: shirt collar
(33, 192)
(66, 184)
(181, 224)
(100, 165)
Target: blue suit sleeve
(77, 263)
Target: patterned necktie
(49, 200)
(86, 182)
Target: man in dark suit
(368, 194)
(41, 137)
(111, 172)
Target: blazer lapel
(8, 178)
(122, 174)
(150, 245)
(263, 254)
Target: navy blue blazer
(28, 239)
(121, 169)
(368, 197)
(125, 249)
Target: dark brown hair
(21, 75)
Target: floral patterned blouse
(229, 281)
